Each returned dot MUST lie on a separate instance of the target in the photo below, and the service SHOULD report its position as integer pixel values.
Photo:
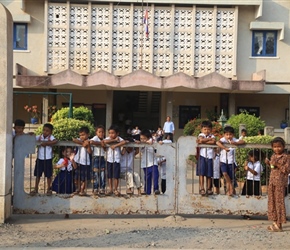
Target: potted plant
(33, 110)
(284, 124)
(51, 111)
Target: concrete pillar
(109, 109)
(6, 102)
(169, 106)
(269, 130)
(44, 109)
(287, 135)
(232, 105)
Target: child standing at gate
(44, 158)
(113, 159)
(63, 182)
(280, 168)
(83, 161)
(205, 161)
(227, 157)
(149, 163)
(99, 163)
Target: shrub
(253, 123)
(242, 156)
(66, 129)
(81, 113)
(193, 127)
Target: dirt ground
(115, 232)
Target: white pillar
(44, 109)
(6, 102)
(232, 104)
(109, 109)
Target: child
(227, 157)
(243, 134)
(280, 169)
(149, 164)
(44, 158)
(63, 182)
(254, 170)
(205, 163)
(113, 159)
(19, 126)
(162, 164)
(216, 171)
(127, 171)
(99, 163)
(83, 161)
(159, 133)
(136, 133)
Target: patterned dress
(276, 191)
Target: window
(187, 113)
(250, 110)
(20, 36)
(264, 43)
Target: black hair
(49, 126)
(146, 133)
(255, 153)
(115, 128)
(63, 148)
(229, 129)
(84, 129)
(100, 126)
(243, 130)
(19, 123)
(206, 124)
(278, 140)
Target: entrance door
(99, 113)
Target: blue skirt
(63, 183)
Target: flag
(146, 23)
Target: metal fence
(173, 186)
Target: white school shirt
(257, 166)
(148, 158)
(216, 167)
(44, 153)
(69, 166)
(82, 156)
(98, 150)
(206, 152)
(127, 161)
(228, 157)
(168, 127)
(114, 155)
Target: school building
(143, 60)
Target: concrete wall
(176, 199)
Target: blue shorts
(83, 172)
(43, 166)
(229, 169)
(204, 167)
(114, 170)
(99, 163)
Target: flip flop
(209, 192)
(33, 192)
(202, 192)
(274, 228)
(117, 193)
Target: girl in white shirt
(254, 170)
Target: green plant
(211, 115)
(253, 124)
(242, 156)
(193, 127)
(79, 113)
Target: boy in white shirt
(205, 161)
(99, 163)
(227, 157)
(113, 159)
(83, 161)
(44, 158)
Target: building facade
(144, 60)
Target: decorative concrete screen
(92, 37)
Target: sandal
(82, 194)
(129, 192)
(48, 192)
(274, 228)
(33, 192)
(76, 192)
(117, 193)
(109, 193)
(209, 192)
(202, 192)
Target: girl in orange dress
(280, 168)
